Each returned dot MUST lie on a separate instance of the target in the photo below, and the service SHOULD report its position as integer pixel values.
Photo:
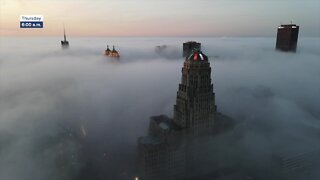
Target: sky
(50, 96)
(161, 18)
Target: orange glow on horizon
(160, 18)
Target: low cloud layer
(74, 114)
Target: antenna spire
(64, 43)
(64, 33)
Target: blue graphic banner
(28, 24)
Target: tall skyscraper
(287, 37)
(190, 46)
(195, 105)
(174, 146)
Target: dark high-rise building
(287, 37)
(190, 46)
(195, 104)
(176, 148)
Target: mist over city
(159, 90)
(76, 114)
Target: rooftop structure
(112, 53)
(287, 37)
(190, 46)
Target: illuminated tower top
(112, 53)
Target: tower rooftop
(288, 26)
(197, 55)
(112, 53)
(190, 46)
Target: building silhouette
(64, 43)
(190, 46)
(175, 148)
(112, 53)
(287, 37)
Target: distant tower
(287, 37)
(195, 104)
(190, 46)
(64, 43)
(114, 53)
(107, 51)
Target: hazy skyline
(47, 92)
(161, 18)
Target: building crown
(197, 55)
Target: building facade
(174, 147)
(195, 104)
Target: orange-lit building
(112, 53)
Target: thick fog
(76, 114)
